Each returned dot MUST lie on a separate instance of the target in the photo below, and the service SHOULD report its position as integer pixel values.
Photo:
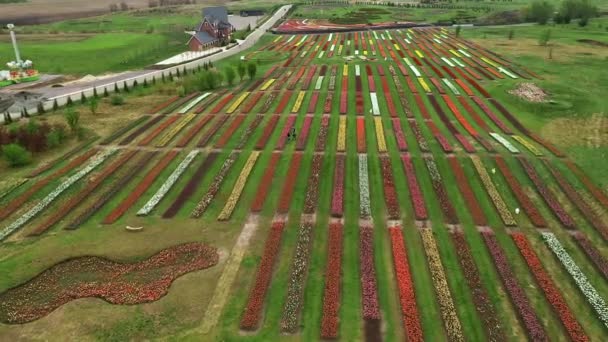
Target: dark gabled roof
(204, 37)
(215, 14)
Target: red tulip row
(255, 98)
(369, 284)
(370, 81)
(328, 103)
(547, 195)
(582, 205)
(491, 115)
(444, 201)
(303, 136)
(415, 191)
(462, 180)
(268, 102)
(361, 148)
(145, 141)
(483, 304)
(322, 136)
(424, 146)
(284, 101)
(268, 130)
(323, 70)
(229, 132)
(210, 133)
(312, 105)
(532, 324)
(265, 183)
(187, 137)
(390, 193)
(163, 105)
(140, 130)
(535, 216)
(312, 189)
(331, 294)
(359, 103)
(286, 128)
(552, 293)
(218, 107)
(594, 189)
(290, 183)
(441, 139)
(337, 201)
(252, 313)
(592, 253)
(296, 78)
(343, 101)
(407, 296)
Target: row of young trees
(210, 78)
(543, 11)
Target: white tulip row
(319, 82)
(193, 103)
(364, 201)
(357, 70)
(451, 86)
(375, 107)
(95, 161)
(168, 184)
(504, 142)
(593, 297)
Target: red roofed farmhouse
(214, 30)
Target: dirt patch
(91, 276)
(530, 92)
(592, 42)
(591, 132)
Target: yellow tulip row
(380, 135)
(424, 85)
(165, 139)
(528, 145)
(238, 187)
(299, 100)
(345, 70)
(267, 84)
(237, 103)
(499, 203)
(342, 134)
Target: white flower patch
(168, 184)
(356, 52)
(457, 61)
(375, 35)
(375, 107)
(303, 54)
(193, 103)
(95, 161)
(504, 142)
(388, 34)
(451, 86)
(319, 81)
(407, 41)
(291, 38)
(364, 200)
(507, 72)
(407, 61)
(321, 54)
(437, 41)
(333, 46)
(357, 70)
(330, 37)
(447, 61)
(464, 53)
(590, 293)
(415, 70)
(382, 36)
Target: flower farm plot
(395, 131)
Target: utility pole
(14, 39)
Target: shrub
(540, 11)
(55, 137)
(117, 100)
(16, 155)
(72, 118)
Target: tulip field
(412, 203)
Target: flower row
(592, 253)
(265, 183)
(290, 184)
(444, 201)
(369, 285)
(299, 100)
(255, 98)
(187, 137)
(343, 101)
(390, 193)
(552, 293)
(229, 132)
(497, 200)
(255, 302)
(222, 103)
(312, 189)
(341, 145)
(244, 137)
(158, 130)
(422, 143)
(168, 136)
(312, 104)
(337, 199)
(304, 131)
(364, 196)
(238, 187)
(140, 130)
(214, 187)
(210, 133)
(331, 293)
(291, 120)
(415, 191)
(361, 135)
(268, 102)
(479, 217)
(268, 130)
(380, 135)
(322, 135)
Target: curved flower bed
(190, 187)
(479, 217)
(117, 283)
(337, 199)
(485, 308)
(532, 324)
(48, 199)
(322, 135)
(268, 130)
(255, 302)
(361, 148)
(167, 185)
(444, 201)
(229, 132)
(297, 279)
(527, 204)
(547, 195)
(238, 187)
(289, 184)
(552, 293)
(401, 142)
(380, 135)
(497, 200)
(265, 183)
(390, 193)
(331, 293)
(592, 253)
(415, 191)
(210, 133)
(364, 196)
(214, 187)
(341, 144)
(446, 304)
(312, 189)
(589, 292)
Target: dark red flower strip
(407, 296)
(361, 148)
(253, 100)
(146, 140)
(552, 293)
(173, 106)
(415, 192)
(535, 216)
(252, 314)
(369, 284)
(304, 132)
(343, 101)
(444, 201)
(532, 325)
(268, 130)
(322, 136)
(547, 195)
(479, 217)
(592, 253)
(163, 105)
(192, 186)
(210, 133)
(572, 194)
(491, 115)
(229, 132)
(328, 102)
(284, 101)
(312, 189)
(286, 128)
(484, 306)
(10, 207)
(337, 200)
(390, 193)
(331, 294)
(218, 107)
(401, 142)
(370, 81)
(290, 184)
(594, 189)
(140, 188)
(78, 198)
(194, 130)
(68, 155)
(206, 102)
(128, 139)
(312, 106)
(265, 183)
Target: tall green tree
(540, 11)
(252, 69)
(230, 75)
(241, 69)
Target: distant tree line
(163, 3)
(543, 11)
